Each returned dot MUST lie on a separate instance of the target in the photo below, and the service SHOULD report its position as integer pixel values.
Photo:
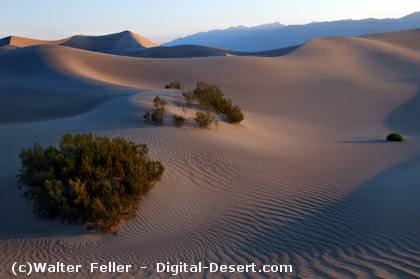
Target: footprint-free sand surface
(306, 179)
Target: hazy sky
(162, 20)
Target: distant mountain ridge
(276, 35)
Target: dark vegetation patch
(89, 180)
(179, 121)
(205, 119)
(158, 114)
(175, 85)
(211, 95)
(395, 137)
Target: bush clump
(159, 102)
(235, 114)
(158, 115)
(89, 180)
(395, 137)
(179, 121)
(147, 116)
(209, 94)
(175, 85)
(204, 119)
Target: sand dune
(125, 41)
(408, 39)
(130, 44)
(184, 51)
(193, 51)
(306, 179)
(114, 43)
(16, 41)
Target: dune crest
(114, 43)
(16, 41)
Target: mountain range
(276, 35)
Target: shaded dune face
(306, 179)
(34, 86)
(194, 51)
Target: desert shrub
(235, 114)
(147, 116)
(209, 94)
(204, 119)
(175, 85)
(89, 180)
(189, 98)
(158, 102)
(157, 115)
(179, 121)
(394, 137)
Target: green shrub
(159, 102)
(157, 115)
(175, 85)
(394, 137)
(204, 119)
(179, 121)
(235, 114)
(89, 180)
(209, 94)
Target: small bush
(209, 94)
(157, 115)
(89, 180)
(235, 114)
(147, 116)
(179, 121)
(204, 119)
(158, 102)
(175, 85)
(394, 137)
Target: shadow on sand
(371, 141)
(368, 230)
(406, 118)
(20, 222)
(375, 227)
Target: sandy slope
(408, 39)
(306, 179)
(16, 41)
